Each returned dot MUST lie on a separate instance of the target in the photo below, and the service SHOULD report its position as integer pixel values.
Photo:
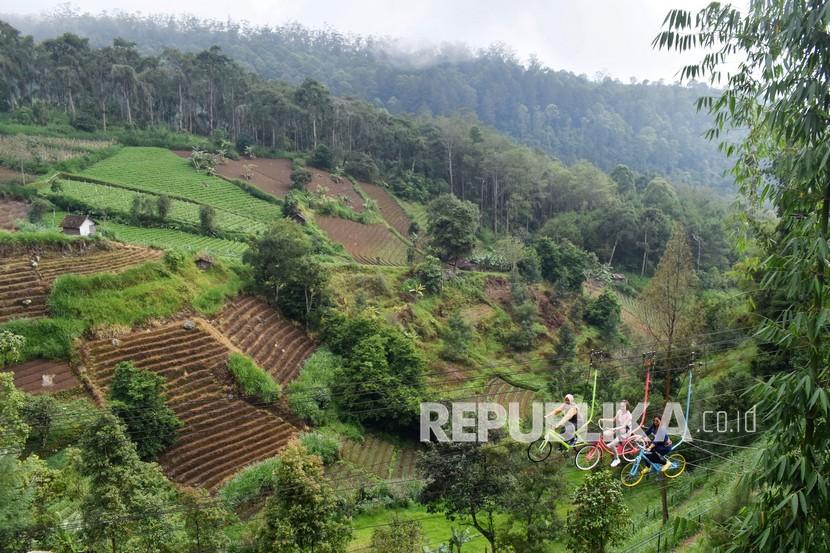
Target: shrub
(382, 376)
(457, 338)
(452, 227)
(173, 260)
(300, 177)
(322, 158)
(361, 166)
(207, 219)
(84, 122)
(250, 483)
(309, 395)
(564, 264)
(292, 205)
(252, 379)
(11, 347)
(323, 444)
(39, 209)
(163, 204)
(46, 338)
(604, 311)
(430, 273)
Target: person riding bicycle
(622, 422)
(660, 444)
(569, 419)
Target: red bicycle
(589, 455)
(629, 448)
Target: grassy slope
(140, 294)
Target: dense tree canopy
(649, 126)
(137, 398)
(622, 218)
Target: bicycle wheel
(678, 466)
(539, 450)
(588, 457)
(631, 448)
(631, 475)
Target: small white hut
(78, 225)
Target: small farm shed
(78, 225)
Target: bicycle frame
(552, 436)
(642, 457)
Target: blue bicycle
(634, 472)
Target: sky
(611, 37)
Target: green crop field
(160, 171)
(175, 240)
(115, 199)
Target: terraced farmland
(169, 239)
(502, 392)
(10, 212)
(24, 288)
(389, 208)
(41, 376)
(119, 200)
(370, 244)
(340, 188)
(373, 458)
(9, 175)
(270, 175)
(160, 171)
(20, 148)
(221, 434)
(275, 343)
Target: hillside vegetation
(652, 127)
(282, 278)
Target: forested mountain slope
(651, 127)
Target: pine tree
(667, 303)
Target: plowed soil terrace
(25, 282)
(275, 343)
(221, 434)
(389, 208)
(10, 212)
(373, 458)
(369, 244)
(270, 175)
(41, 376)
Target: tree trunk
(449, 166)
(71, 102)
(495, 204)
(645, 253)
(127, 106)
(669, 369)
(613, 250)
(181, 108)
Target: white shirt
(624, 419)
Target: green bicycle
(540, 449)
